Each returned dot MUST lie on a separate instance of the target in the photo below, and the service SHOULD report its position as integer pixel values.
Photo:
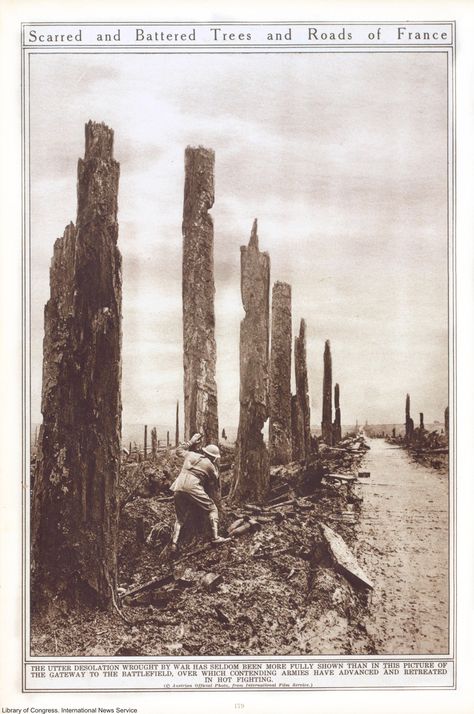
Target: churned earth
(275, 589)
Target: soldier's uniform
(197, 477)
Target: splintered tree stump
(300, 410)
(176, 432)
(252, 464)
(280, 376)
(74, 516)
(337, 434)
(326, 423)
(409, 425)
(154, 444)
(199, 344)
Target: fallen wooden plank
(248, 524)
(238, 530)
(341, 477)
(235, 524)
(149, 585)
(343, 556)
(269, 517)
(279, 489)
(253, 509)
(291, 502)
(278, 499)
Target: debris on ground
(271, 589)
(429, 448)
(344, 558)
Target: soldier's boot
(216, 538)
(174, 539)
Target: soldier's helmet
(212, 451)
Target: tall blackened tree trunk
(300, 409)
(252, 465)
(199, 344)
(337, 416)
(326, 423)
(280, 376)
(75, 510)
(176, 432)
(409, 425)
(297, 429)
(154, 444)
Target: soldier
(197, 477)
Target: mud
(278, 590)
(403, 541)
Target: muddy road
(402, 543)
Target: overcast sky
(341, 157)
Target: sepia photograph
(239, 403)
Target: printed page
(237, 285)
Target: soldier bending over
(198, 475)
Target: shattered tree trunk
(446, 422)
(300, 410)
(337, 435)
(297, 430)
(326, 423)
(176, 433)
(199, 344)
(74, 518)
(422, 421)
(154, 444)
(252, 464)
(280, 376)
(409, 426)
(145, 441)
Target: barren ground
(280, 592)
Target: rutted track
(402, 540)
